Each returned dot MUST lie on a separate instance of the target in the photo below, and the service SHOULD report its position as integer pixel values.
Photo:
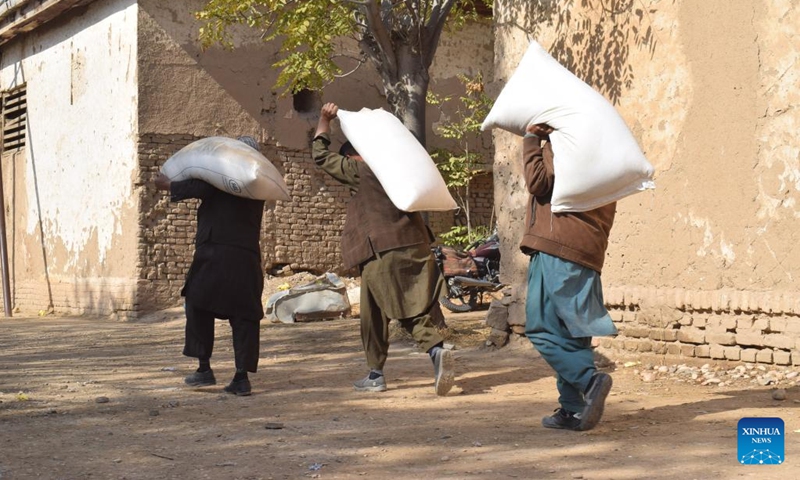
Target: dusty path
(56, 373)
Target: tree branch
(359, 62)
(433, 30)
(382, 45)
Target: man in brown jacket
(391, 248)
(564, 306)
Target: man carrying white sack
(391, 248)
(564, 306)
(225, 279)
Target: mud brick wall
(166, 234)
(737, 326)
(303, 234)
(482, 201)
(481, 208)
(307, 230)
(740, 326)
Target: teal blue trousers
(551, 282)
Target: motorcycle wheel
(460, 307)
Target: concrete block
(702, 351)
(688, 350)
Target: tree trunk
(406, 92)
(402, 49)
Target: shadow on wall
(593, 38)
(241, 78)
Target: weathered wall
(709, 88)
(71, 207)
(187, 93)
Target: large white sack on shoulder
(406, 171)
(597, 160)
(229, 165)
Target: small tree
(460, 166)
(399, 38)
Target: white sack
(229, 165)
(597, 159)
(405, 170)
(325, 297)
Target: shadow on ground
(88, 398)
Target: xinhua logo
(761, 441)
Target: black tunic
(226, 275)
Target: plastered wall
(709, 90)
(71, 208)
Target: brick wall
(756, 327)
(481, 207)
(167, 229)
(307, 230)
(303, 234)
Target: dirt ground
(90, 398)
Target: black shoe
(595, 397)
(367, 384)
(443, 372)
(239, 387)
(201, 379)
(562, 419)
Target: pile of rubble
(719, 376)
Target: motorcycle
(469, 273)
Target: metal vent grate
(15, 117)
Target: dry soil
(91, 398)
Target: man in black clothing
(225, 279)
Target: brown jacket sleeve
(537, 167)
(343, 169)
